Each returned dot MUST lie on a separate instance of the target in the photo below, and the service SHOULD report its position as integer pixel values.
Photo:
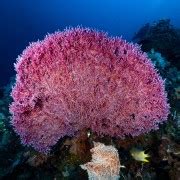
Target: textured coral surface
(105, 163)
(81, 78)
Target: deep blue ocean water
(23, 21)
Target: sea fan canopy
(81, 78)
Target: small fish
(139, 155)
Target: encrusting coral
(105, 164)
(81, 78)
(157, 59)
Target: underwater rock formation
(105, 164)
(162, 37)
(81, 78)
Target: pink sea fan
(81, 78)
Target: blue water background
(24, 21)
